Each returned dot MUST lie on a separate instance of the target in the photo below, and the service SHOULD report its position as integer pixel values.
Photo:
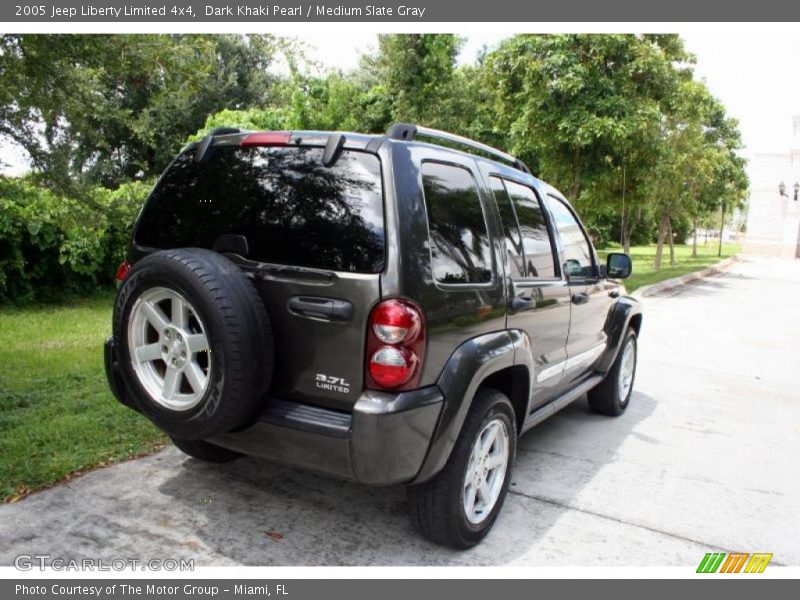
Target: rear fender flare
(471, 363)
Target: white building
(773, 220)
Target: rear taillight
(394, 321)
(268, 138)
(122, 272)
(395, 345)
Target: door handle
(520, 303)
(580, 298)
(329, 309)
(613, 294)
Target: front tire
(459, 506)
(612, 396)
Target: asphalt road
(705, 459)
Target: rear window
(289, 207)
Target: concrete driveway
(705, 459)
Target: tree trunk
(626, 235)
(576, 173)
(662, 232)
(630, 223)
(626, 243)
(721, 227)
(694, 239)
(671, 244)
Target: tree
(104, 109)
(409, 78)
(412, 73)
(585, 110)
(699, 169)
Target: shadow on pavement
(256, 513)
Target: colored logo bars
(736, 562)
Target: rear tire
(438, 508)
(206, 452)
(612, 396)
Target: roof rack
(408, 131)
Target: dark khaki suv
(373, 307)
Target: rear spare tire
(194, 342)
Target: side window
(536, 244)
(511, 232)
(460, 247)
(578, 261)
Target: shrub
(52, 246)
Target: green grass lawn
(643, 257)
(57, 415)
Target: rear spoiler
(333, 146)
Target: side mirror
(573, 268)
(618, 266)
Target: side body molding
(616, 324)
(470, 364)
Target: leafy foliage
(699, 171)
(53, 245)
(617, 122)
(105, 109)
(586, 111)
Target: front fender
(465, 370)
(617, 323)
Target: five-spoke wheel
(459, 505)
(486, 471)
(169, 349)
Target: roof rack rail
(205, 144)
(408, 131)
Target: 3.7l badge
(334, 384)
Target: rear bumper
(383, 441)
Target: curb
(715, 269)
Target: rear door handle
(315, 307)
(520, 303)
(580, 298)
(613, 294)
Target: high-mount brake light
(395, 345)
(268, 138)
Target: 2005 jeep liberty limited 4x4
(371, 307)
